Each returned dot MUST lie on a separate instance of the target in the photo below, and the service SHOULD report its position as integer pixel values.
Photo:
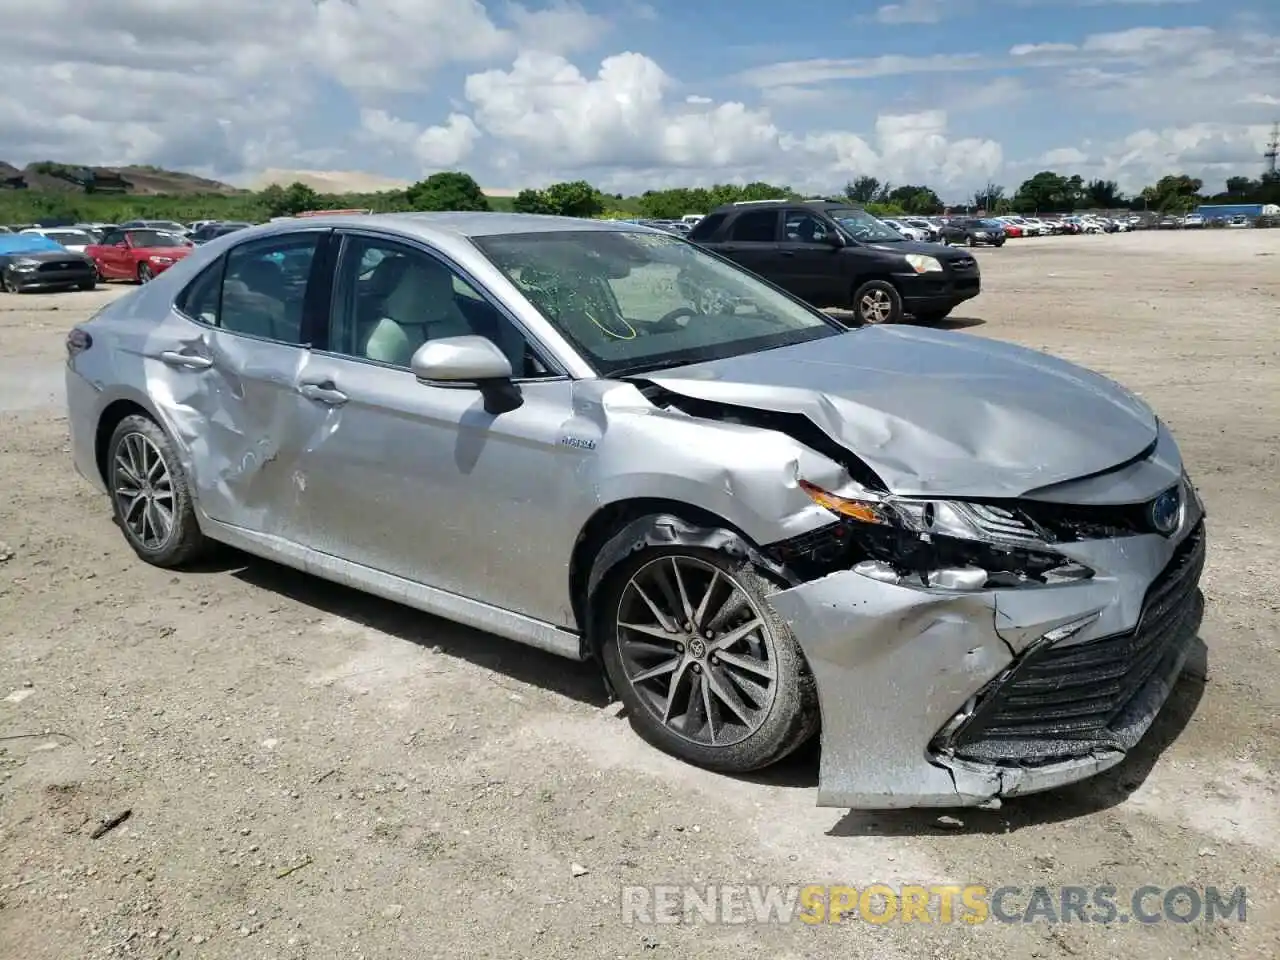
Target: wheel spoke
(658, 613)
(650, 631)
(680, 673)
(685, 606)
(729, 697)
(708, 706)
(736, 634)
(700, 615)
(759, 668)
(661, 670)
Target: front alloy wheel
(145, 275)
(707, 671)
(877, 302)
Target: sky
(645, 94)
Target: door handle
(187, 361)
(786, 253)
(324, 393)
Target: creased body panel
(936, 413)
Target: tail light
(78, 341)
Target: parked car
(140, 255)
(748, 515)
(67, 237)
(1239, 220)
(165, 226)
(932, 232)
(212, 229)
(1168, 223)
(834, 255)
(974, 232)
(31, 261)
(1192, 221)
(911, 233)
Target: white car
(911, 233)
(73, 239)
(1192, 221)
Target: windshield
(155, 238)
(994, 224)
(75, 238)
(643, 301)
(864, 227)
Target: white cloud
(802, 72)
(912, 11)
(434, 148)
(563, 27)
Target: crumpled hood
(938, 413)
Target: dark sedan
(974, 233)
(33, 262)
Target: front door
(808, 264)
(417, 479)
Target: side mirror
(834, 239)
(469, 362)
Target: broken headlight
(948, 544)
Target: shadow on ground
(956, 323)
(580, 681)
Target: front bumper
(933, 292)
(52, 277)
(934, 698)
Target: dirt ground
(443, 793)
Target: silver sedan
(974, 566)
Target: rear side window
(258, 288)
(707, 226)
(760, 226)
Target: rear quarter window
(707, 227)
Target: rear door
(751, 240)
(226, 367)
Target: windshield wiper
(631, 369)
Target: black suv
(831, 254)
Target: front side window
(801, 226)
(391, 298)
(258, 288)
(863, 227)
(630, 301)
(155, 238)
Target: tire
(145, 275)
(882, 295)
(972, 242)
(136, 441)
(88, 285)
(6, 283)
(785, 717)
(97, 272)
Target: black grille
(63, 266)
(1067, 701)
(963, 264)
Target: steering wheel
(668, 321)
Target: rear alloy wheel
(706, 670)
(876, 301)
(149, 494)
(144, 273)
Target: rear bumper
(84, 402)
(933, 698)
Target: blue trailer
(1225, 211)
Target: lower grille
(1061, 702)
(63, 266)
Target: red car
(1012, 229)
(137, 254)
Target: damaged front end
(959, 668)
(971, 650)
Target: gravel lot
(445, 793)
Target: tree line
(1045, 192)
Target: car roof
(769, 204)
(440, 228)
